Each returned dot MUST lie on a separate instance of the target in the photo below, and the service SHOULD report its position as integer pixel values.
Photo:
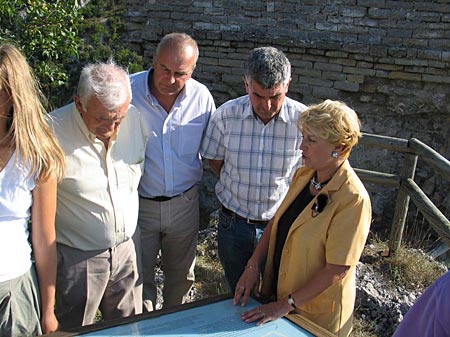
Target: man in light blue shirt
(253, 145)
(176, 109)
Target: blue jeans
(236, 241)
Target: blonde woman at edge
(318, 233)
(31, 162)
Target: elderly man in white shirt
(104, 141)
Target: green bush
(58, 38)
(46, 32)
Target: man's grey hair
(268, 66)
(108, 82)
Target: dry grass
(209, 275)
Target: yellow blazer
(336, 235)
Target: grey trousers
(172, 227)
(20, 306)
(90, 280)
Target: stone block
(430, 54)
(316, 81)
(411, 62)
(308, 73)
(369, 39)
(446, 56)
(301, 64)
(400, 75)
(356, 78)
(436, 79)
(346, 86)
(388, 67)
(230, 62)
(359, 71)
(327, 66)
(336, 53)
(334, 76)
(399, 32)
(372, 3)
(429, 34)
(325, 93)
(382, 13)
(430, 6)
(326, 26)
(206, 26)
(230, 27)
(353, 11)
(380, 51)
(382, 74)
(363, 64)
(345, 62)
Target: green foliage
(58, 38)
(46, 32)
(103, 28)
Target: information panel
(220, 319)
(213, 318)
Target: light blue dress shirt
(172, 160)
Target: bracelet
(252, 266)
(291, 301)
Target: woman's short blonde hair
(333, 121)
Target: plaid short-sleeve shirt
(259, 160)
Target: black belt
(161, 198)
(237, 216)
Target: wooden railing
(408, 190)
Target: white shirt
(15, 207)
(172, 161)
(97, 198)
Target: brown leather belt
(237, 216)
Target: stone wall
(389, 60)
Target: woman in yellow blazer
(314, 241)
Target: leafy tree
(58, 37)
(103, 30)
(47, 33)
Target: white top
(97, 198)
(172, 161)
(15, 209)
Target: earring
(334, 154)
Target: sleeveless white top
(15, 208)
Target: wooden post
(402, 204)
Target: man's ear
(288, 84)
(245, 84)
(78, 105)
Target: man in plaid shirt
(253, 145)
